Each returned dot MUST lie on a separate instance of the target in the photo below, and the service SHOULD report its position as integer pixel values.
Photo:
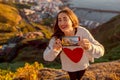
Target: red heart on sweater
(75, 55)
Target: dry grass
(98, 71)
(104, 71)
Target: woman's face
(64, 23)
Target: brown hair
(75, 22)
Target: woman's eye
(59, 20)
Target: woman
(74, 59)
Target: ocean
(93, 18)
(97, 4)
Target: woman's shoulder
(83, 31)
(81, 28)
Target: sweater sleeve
(49, 54)
(96, 50)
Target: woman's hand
(85, 44)
(57, 45)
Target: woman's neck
(70, 33)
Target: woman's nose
(62, 22)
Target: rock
(103, 71)
(98, 71)
(53, 74)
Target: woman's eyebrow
(64, 17)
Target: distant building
(25, 1)
(47, 7)
(7, 1)
(89, 24)
(43, 9)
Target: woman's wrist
(57, 50)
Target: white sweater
(96, 51)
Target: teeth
(63, 26)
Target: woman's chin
(64, 30)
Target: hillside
(14, 29)
(12, 22)
(109, 35)
(98, 71)
(109, 30)
(6, 15)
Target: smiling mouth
(63, 27)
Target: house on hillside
(43, 9)
(47, 7)
(25, 1)
(89, 23)
(13, 1)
